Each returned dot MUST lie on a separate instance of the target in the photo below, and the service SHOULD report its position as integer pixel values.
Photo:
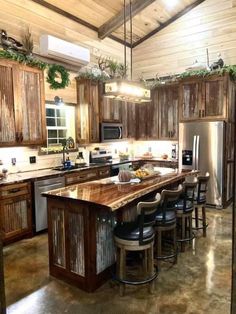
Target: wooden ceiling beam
(118, 20)
(168, 22)
(75, 19)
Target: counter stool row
(171, 211)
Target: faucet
(64, 150)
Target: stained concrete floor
(199, 283)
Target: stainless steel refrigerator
(201, 147)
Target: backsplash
(22, 154)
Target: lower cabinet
(15, 211)
(87, 175)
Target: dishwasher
(41, 222)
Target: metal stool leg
(122, 270)
(175, 245)
(204, 224)
(183, 230)
(196, 217)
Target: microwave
(111, 132)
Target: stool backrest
(169, 198)
(202, 185)
(189, 187)
(147, 216)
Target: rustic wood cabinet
(87, 175)
(141, 121)
(111, 110)
(204, 98)
(168, 112)
(15, 211)
(22, 120)
(190, 94)
(129, 120)
(87, 112)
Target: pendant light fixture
(123, 89)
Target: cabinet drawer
(104, 172)
(81, 176)
(13, 190)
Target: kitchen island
(81, 219)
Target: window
(60, 123)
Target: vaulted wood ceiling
(107, 18)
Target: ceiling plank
(75, 19)
(118, 20)
(168, 22)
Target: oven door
(111, 132)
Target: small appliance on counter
(99, 156)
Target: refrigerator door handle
(194, 152)
(197, 152)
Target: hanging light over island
(124, 89)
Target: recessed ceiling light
(171, 3)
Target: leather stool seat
(180, 206)
(130, 231)
(170, 218)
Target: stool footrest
(187, 239)
(166, 256)
(139, 282)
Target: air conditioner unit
(62, 50)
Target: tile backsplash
(22, 154)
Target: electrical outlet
(13, 161)
(32, 159)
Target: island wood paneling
(210, 25)
(17, 16)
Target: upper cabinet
(163, 113)
(168, 112)
(111, 110)
(87, 112)
(204, 98)
(22, 120)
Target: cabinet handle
(14, 190)
(200, 114)
(203, 113)
(21, 136)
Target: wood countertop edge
(127, 199)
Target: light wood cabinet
(22, 120)
(87, 112)
(15, 211)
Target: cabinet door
(131, 120)
(214, 91)
(141, 118)
(111, 110)
(190, 100)
(152, 117)
(7, 115)
(168, 112)
(15, 219)
(93, 113)
(29, 105)
(87, 112)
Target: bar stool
(166, 222)
(184, 210)
(200, 202)
(137, 236)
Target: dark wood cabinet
(152, 116)
(111, 110)
(141, 121)
(87, 112)
(129, 120)
(204, 98)
(87, 175)
(190, 94)
(15, 211)
(22, 120)
(168, 112)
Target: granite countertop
(106, 193)
(50, 172)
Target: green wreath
(56, 71)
